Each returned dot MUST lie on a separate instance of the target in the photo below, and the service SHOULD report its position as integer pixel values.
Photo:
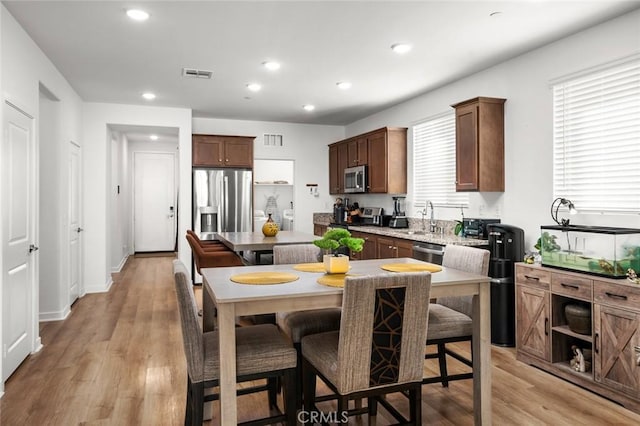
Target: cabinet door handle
(616, 296)
(595, 344)
(573, 286)
(531, 277)
(546, 326)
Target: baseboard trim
(118, 268)
(100, 289)
(54, 316)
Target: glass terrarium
(599, 250)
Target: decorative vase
(270, 228)
(336, 264)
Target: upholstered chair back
(380, 340)
(295, 253)
(468, 259)
(191, 328)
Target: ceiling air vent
(194, 73)
(273, 140)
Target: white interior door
(18, 250)
(74, 222)
(154, 201)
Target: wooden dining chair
(298, 324)
(450, 318)
(208, 245)
(213, 259)
(378, 349)
(262, 352)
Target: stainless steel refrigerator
(222, 201)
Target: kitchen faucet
(432, 222)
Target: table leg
(482, 356)
(227, 336)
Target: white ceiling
(106, 57)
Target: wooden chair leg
(298, 390)
(442, 361)
(289, 396)
(188, 412)
(372, 405)
(197, 398)
(343, 405)
(415, 405)
(308, 385)
(272, 391)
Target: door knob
(79, 230)
(33, 248)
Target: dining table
(232, 299)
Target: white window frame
(596, 138)
(434, 162)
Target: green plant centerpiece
(331, 242)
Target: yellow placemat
(310, 267)
(411, 267)
(334, 280)
(258, 278)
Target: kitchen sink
(415, 232)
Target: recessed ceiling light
(308, 107)
(153, 137)
(254, 87)
(344, 85)
(401, 48)
(271, 65)
(149, 96)
(137, 14)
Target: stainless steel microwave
(355, 179)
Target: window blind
(596, 140)
(434, 162)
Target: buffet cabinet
(610, 342)
(222, 151)
(383, 151)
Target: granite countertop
(411, 233)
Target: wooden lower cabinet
(544, 338)
(533, 323)
(369, 248)
(319, 230)
(617, 340)
(393, 248)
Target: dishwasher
(428, 252)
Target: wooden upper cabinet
(222, 151)
(387, 163)
(334, 170)
(383, 151)
(357, 151)
(480, 145)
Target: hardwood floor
(118, 360)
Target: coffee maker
(339, 212)
(399, 219)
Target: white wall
(97, 180)
(24, 67)
(524, 82)
(306, 144)
(119, 216)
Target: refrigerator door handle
(225, 201)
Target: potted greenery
(331, 242)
